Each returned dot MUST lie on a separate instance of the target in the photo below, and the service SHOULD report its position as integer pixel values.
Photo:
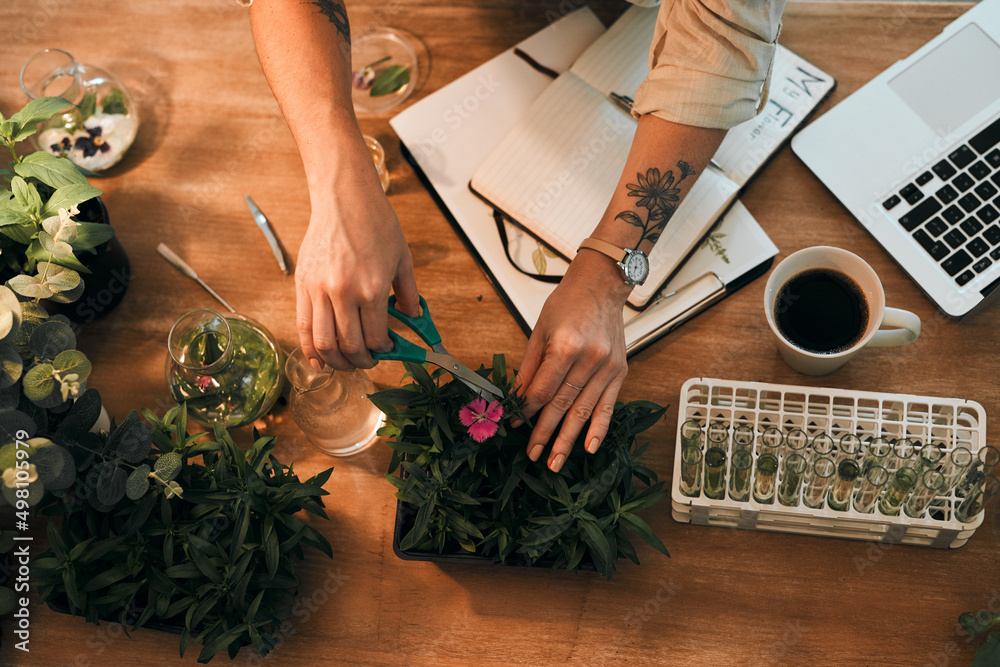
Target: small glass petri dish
(381, 49)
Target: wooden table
(211, 132)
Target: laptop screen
(954, 82)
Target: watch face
(636, 268)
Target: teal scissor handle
(402, 350)
(423, 326)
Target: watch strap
(609, 249)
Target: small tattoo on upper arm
(659, 195)
(337, 14)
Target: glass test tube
(815, 488)
(875, 478)
(742, 437)
(769, 441)
(839, 496)
(878, 453)
(928, 457)
(955, 467)
(718, 435)
(926, 490)
(903, 449)
(691, 470)
(848, 448)
(715, 473)
(795, 442)
(987, 457)
(739, 475)
(691, 434)
(822, 446)
(977, 498)
(792, 471)
(764, 476)
(899, 487)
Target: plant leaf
(69, 196)
(642, 529)
(390, 80)
(11, 366)
(168, 466)
(92, 234)
(38, 383)
(137, 483)
(988, 654)
(51, 338)
(35, 112)
(73, 362)
(54, 171)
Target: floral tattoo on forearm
(659, 196)
(337, 14)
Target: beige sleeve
(710, 61)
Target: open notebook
(556, 170)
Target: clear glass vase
(332, 407)
(99, 129)
(227, 368)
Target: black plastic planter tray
(61, 606)
(405, 514)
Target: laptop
(915, 156)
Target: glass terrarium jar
(228, 369)
(332, 407)
(98, 130)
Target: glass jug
(96, 133)
(332, 407)
(228, 369)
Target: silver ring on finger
(568, 384)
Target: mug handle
(906, 329)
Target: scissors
(423, 326)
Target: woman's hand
(574, 365)
(353, 253)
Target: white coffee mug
(905, 326)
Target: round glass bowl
(96, 132)
(381, 49)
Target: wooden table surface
(211, 132)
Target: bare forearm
(304, 50)
(664, 162)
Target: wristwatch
(633, 263)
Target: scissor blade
(265, 227)
(463, 373)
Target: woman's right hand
(353, 253)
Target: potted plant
(468, 491)
(53, 226)
(151, 537)
(980, 623)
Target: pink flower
(481, 419)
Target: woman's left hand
(574, 365)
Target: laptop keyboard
(953, 209)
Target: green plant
(43, 409)
(150, 535)
(488, 498)
(979, 623)
(40, 238)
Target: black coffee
(822, 311)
